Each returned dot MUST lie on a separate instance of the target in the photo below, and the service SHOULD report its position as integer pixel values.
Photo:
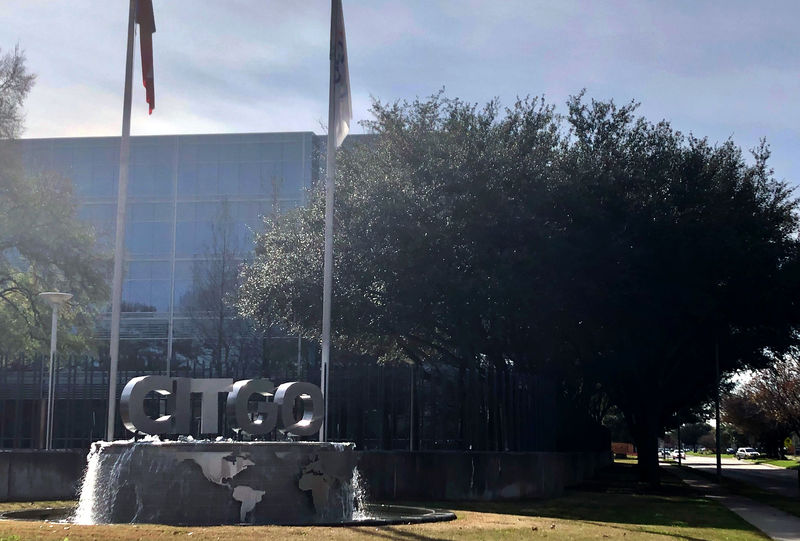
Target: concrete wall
(40, 475)
(441, 476)
(389, 475)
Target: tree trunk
(463, 402)
(645, 431)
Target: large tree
(775, 393)
(779, 388)
(680, 247)
(43, 244)
(745, 411)
(15, 83)
(609, 251)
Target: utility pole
(716, 408)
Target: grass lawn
(788, 464)
(723, 455)
(612, 506)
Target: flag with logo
(147, 27)
(343, 111)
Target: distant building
(185, 193)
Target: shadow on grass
(393, 532)
(626, 529)
(616, 496)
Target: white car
(675, 454)
(746, 452)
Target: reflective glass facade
(193, 200)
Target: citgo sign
(279, 411)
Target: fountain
(220, 482)
(203, 482)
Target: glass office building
(193, 200)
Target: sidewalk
(773, 522)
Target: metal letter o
(313, 407)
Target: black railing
(377, 406)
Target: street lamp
(55, 300)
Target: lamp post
(55, 300)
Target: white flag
(343, 111)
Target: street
(772, 478)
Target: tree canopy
(754, 424)
(607, 250)
(778, 389)
(766, 408)
(43, 244)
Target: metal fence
(376, 406)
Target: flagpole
(119, 241)
(327, 287)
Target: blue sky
(722, 69)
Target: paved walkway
(773, 522)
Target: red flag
(147, 26)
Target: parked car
(746, 452)
(677, 452)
